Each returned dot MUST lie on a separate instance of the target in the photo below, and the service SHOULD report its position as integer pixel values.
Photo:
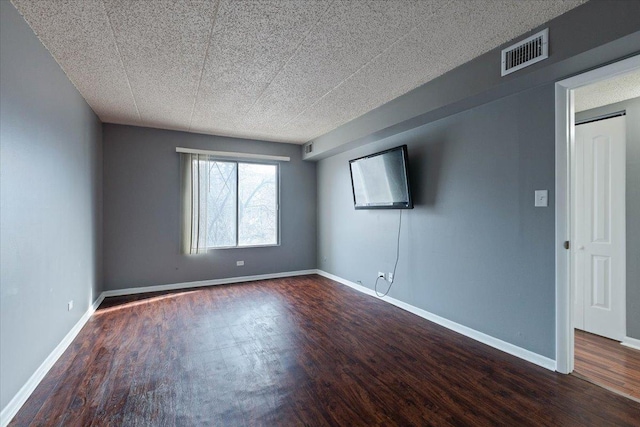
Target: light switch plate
(542, 198)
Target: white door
(598, 222)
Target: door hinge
(566, 244)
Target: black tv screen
(381, 180)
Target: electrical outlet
(239, 263)
(70, 305)
(381, 274)
(390, 277)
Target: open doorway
(597, 199)
(604, 169)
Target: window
(229, 203)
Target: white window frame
(187, 154)
(237, 221)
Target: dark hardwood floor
(298, 351)
(607, 363)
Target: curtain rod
(234, 155)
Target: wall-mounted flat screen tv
(381, 180)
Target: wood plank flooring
(608, 363)
(298, 351)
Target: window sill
(243, 247)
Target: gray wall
(632, 108)
(50, 201)
(474, 249)
(142, 211)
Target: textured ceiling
(608, 92)
(276, 70)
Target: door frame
(565, 139)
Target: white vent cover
(308, 148)
(526, 52)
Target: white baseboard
(12, 408)
(23, 394)
(631, 342)
(202, 283)
(496, 343)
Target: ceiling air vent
(308, 148)
(526, 52)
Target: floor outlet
(239, 263)
(70, 305)
(381, 274)
(390, 276)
